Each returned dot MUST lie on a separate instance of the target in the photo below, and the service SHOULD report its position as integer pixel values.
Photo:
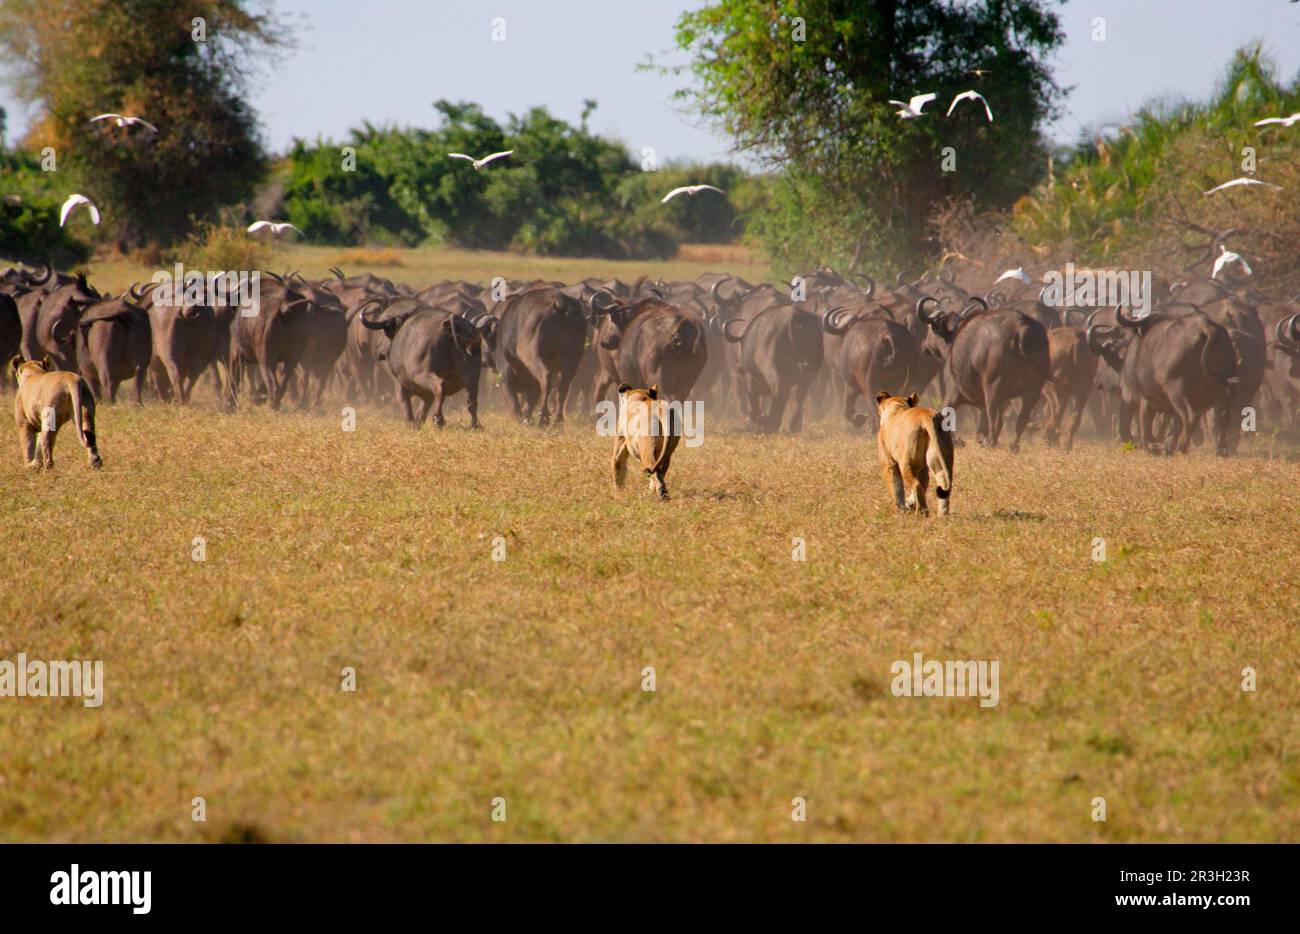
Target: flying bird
(262, 228)
(479, 163)
(1226, 256)
(1284, 121)
(1241, 181)
(119, 120)
(690, 190)
(971, 96)
(75, 201)
(1018, 274)
(912, 109)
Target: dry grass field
(522, 678)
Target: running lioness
(646, 429)
(47, 398)
(913, 445)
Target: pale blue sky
(388, 60)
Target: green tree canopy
(148, 58)
(804, 85)
(565, 191)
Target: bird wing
(920, 101)
(460, 155)
(1218, 265)
(259, 225)
(673, 194)
(104, 117)
(988, 111)
(903, 104)
(1010, 274)
(496, 155)
(72, 202)
(1269, 120)
(143, 122)
(964, 95)
(286, 226)
(1245, 265)
(94, 212)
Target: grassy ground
(521, 678)
(424, 266)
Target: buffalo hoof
(1015, 447)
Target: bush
(216, 248)
(29, 213)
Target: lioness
(644, 427)
(913, 445)
(47, 398)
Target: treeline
(564, 191)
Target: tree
(183, 68)
(804, 86)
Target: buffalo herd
(1193, 365)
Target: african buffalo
(114, 343)
(432, 353)
(871, 352)
(537, 338)
(991, 356)
(1175, 361)
(651, 343)
(780, 353)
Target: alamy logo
(952, 678)
(685, 419)
(103, 888)
(1092, 288)
(212, 289)
(21, 678)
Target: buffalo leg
(800, 397)
(176, 391)
(1027, 404)
(438, 396)
(777, 410)
(1078, 402)
(751, 391)
(1053, 415)
(850, 405)
(471, 403)
(562, 397)
(548, 387)
(404, 400)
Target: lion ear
(624, 387)
(48, 362)
(653, 391)
(911, 400)
(16, 362)
(881, 396)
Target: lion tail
(938, 456)
(83, 416)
